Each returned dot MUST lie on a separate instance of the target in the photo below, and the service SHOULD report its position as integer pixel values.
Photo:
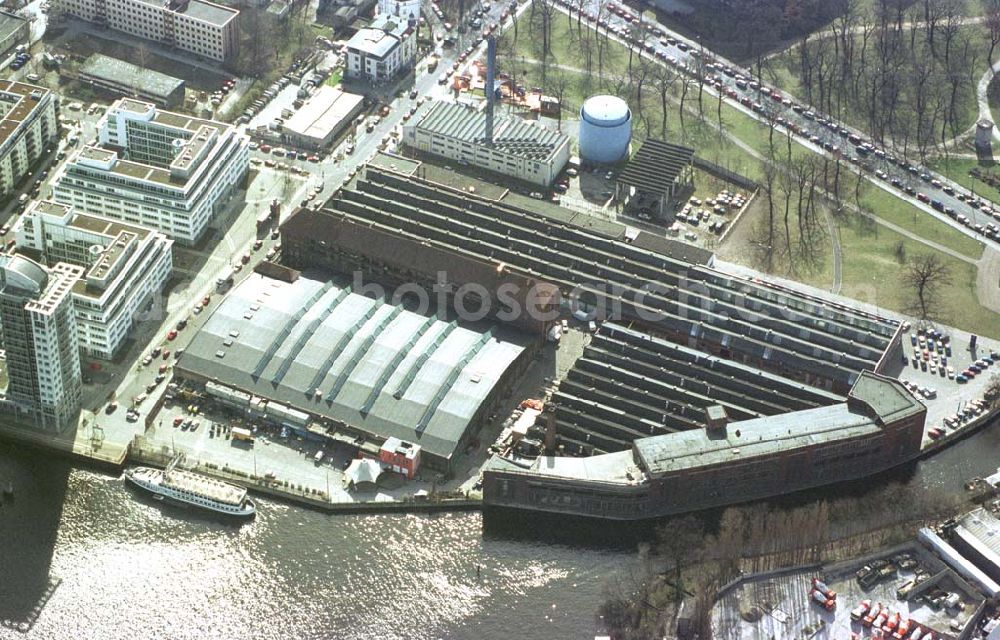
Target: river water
(132, 568)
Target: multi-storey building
(159, 169)
(28, 124)
(126, 266)
(379, 52)
(517, 148)
(40, 341)
(204, 28)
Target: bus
(243, 435)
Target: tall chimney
(549, 420)
(491, 63)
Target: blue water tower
(605, 129)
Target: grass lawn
(889, 207)
(871, 273)
(334, 78)
(322, 30)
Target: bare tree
(925, 275)
(558, 83)
(992, 15)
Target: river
(130, 567)
(133, 568)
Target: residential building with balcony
(381, 51)
(40, 342)
(158, 169)
(126, 267)
(28, 125)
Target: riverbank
(312, 486)
(308, 496)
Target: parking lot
(924, 596)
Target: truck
(264, 220)
(874, 613)
(225, 281)
(859, 611)
(822, 600)
(820, 586)
(242, 434)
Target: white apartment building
(520, 149)
(28, 125)
(40, 341)
(126, 268)
(381, 51)
(157, 169)
(204, 28)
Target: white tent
(363, 473)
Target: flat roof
(126, 74)
(511, 135)
(25, 98)
(324, 112)
(10, 23)
(346, 357)
(206, 11)
(612, 467)
(981, 530)
(209, 12)
(373, 42)
(655, 166)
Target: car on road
(206, 300)
(197, 308)
(166, 353)
(172, 335)
(275, 234)
(258, 244)
(266, 148)
(245, 258)
(182, 324)
(111, 407)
